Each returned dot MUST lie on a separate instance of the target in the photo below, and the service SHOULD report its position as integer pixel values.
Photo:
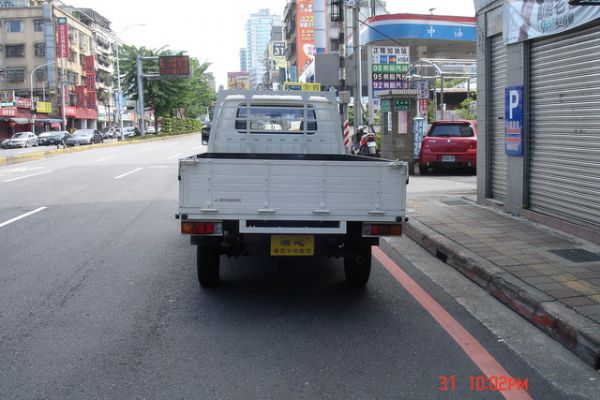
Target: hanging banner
(528, 19)
(62, 38)
(306, 33)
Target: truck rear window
(276, 119)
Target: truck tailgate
(294, 189)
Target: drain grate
(456, 203)
(577, 255)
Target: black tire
(358, 267)
(208, 266)
(423, 170)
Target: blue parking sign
(513, 121)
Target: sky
(213, 31)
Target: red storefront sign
(90, 82)
(85, 113)
(91, 100)
(23, 103)
(70, 111)
(8, 112)
(89, 66)
(79, 93)
(62, 38)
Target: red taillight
(383, 229)
(473, 144)
(198, 228)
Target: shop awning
(21, 121)
(48, 120)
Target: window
(276, 119)
(72, 78)
(17, 50)
(15, 25)
(40, 74)
(40, 49)
(38, 25)
(451, 130)
(15, 74)
(72, 55)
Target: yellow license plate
(292, 245)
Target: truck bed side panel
(292, 189)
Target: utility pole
(342, 72)
(357, 57)
(140, 89)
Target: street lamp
(119, 92)
(31, 87)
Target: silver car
(84, 136)
(22, 139)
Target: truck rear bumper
(260, 244)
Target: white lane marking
(174, 156)
(10, 221)
(27, 176)
(198, 147)
(147, 149)
(105, 158)
(128, 173)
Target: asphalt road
(99, 299)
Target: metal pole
(356, 55)
(31, 95)
(370, 88)
(140, 91)
(119, 94)
(442, 98)
(62, 93)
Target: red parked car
(449, 144)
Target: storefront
(81, 118)
(540, 60)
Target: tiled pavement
(512, 259)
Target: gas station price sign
(389, 64)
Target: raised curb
(576, 332)
(20, 158)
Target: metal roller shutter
(565, 127)
(498, 76)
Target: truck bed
(292, 187)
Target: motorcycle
(367, 145)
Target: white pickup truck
(276, 180)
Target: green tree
(183, 97)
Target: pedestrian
(61, 142)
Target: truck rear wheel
(358, 267)
(208, 266)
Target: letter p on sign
(514, 101)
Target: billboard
(306, 34)
(238, 80)
(174, 66)
(528, 19)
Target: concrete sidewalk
(550, 278)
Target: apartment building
(36, 60)
(103, 49)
